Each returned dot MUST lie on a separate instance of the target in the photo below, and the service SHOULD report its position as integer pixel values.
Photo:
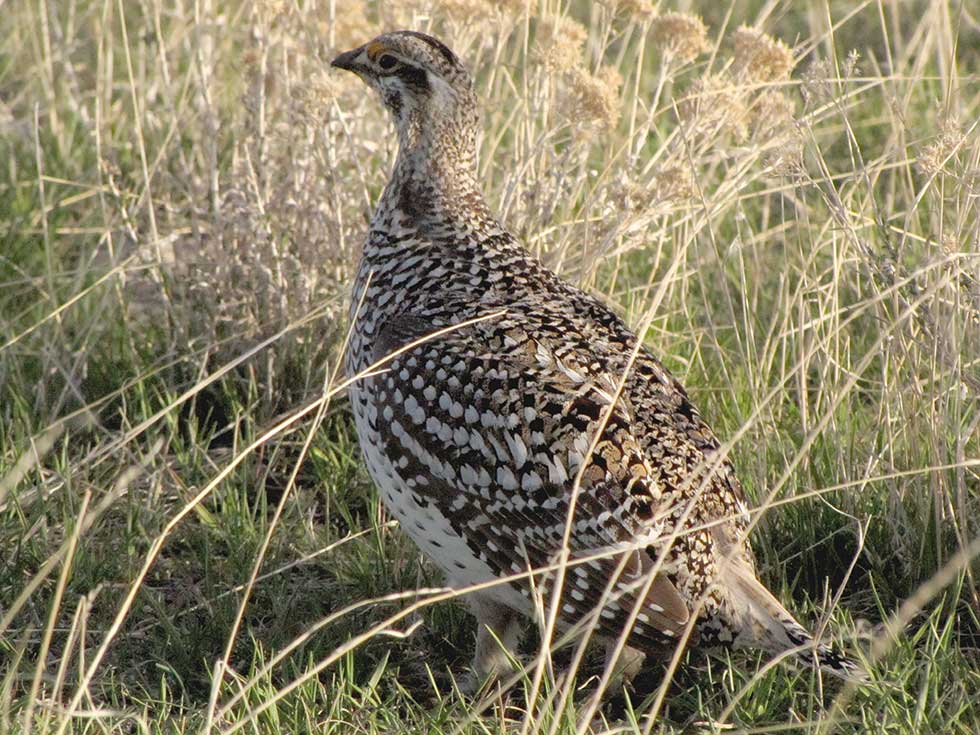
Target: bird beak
(348, 60)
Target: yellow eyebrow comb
(375, 49)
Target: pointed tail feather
(764, 623)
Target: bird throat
(434, 179)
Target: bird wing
(493, 427)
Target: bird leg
(498, 633)
(626, 665)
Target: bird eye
(387, 61)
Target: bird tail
(764, 623)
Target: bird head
(422, 84)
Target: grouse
(505, 415)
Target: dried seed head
(250, 57)
(817, 85)
(271, 9)
(319, 91)
(631, 196)
(675, 183)
(934, 157)
(350, 21)
(786, 159)
(949, 243)
(592, 101)
(482, 9)
(671, 184)
(715, 104)
(771, 112)
(761, 57)
(559, 43)
(635, 8)
(680, 35)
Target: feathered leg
(498, 633)
(626, 665)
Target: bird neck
(434, 179)
(443, 150)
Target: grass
(188, 539)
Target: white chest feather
(422, 520)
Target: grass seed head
(592, 101)
(817, 82)
(671, 184)
(761, 57)
(483, 9)
(351, 22)
(715, 104)
(681, 36)
(321, 89)
(771, 112)
(786, 157)
(560, 41)
(272, 9)
(935, 156)
(639, 9)
(675, 183)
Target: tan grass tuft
(818, 82)
(484, 9)
(559, 43)
(592, 101)
(640, 9)
(716, 104)
(936, 155)
(670, 185)
(675, 183)
(771, 111)
(350, 22)
(681, 36)
(761, 57)
(270, 9)
(851, 67)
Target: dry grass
(786, 194)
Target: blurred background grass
(792, 188)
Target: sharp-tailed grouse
(485, 437)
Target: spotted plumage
(514, 398)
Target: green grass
(181, 201)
